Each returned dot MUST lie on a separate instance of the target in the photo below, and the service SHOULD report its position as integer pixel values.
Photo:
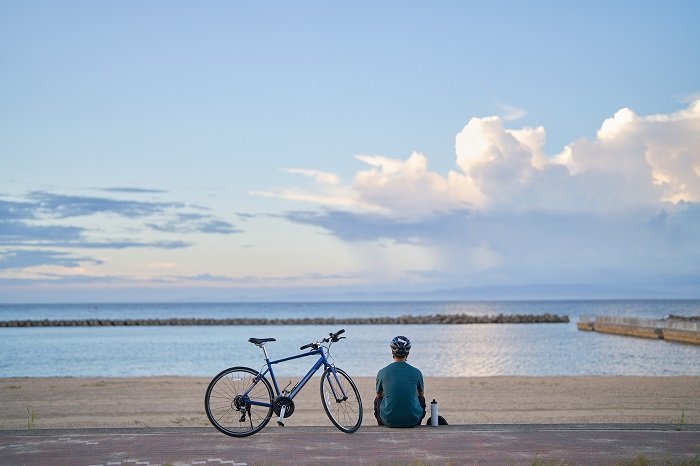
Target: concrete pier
(585, 326)
(681, 336)
(681, 330)
(630, 330)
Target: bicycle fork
(343, 396)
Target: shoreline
(174, 401)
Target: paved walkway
(472, 444)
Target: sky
(166, 150)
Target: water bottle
(434, 413)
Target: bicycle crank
(283, 402)
(283, 407)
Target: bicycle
(239, 401)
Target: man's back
(400, 383)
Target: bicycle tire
(223, 402)
(346, 415)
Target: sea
(438, 350)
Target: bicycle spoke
(346, 413)
(227, 404)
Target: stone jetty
(674, 328)
(406, 319)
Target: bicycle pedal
(280, 423)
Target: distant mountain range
(488, 293)
(683, 288)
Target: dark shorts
(377, 402)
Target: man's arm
(379, 385)
(420, 389)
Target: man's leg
(421, 400)
(377, 402)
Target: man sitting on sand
(400, 401)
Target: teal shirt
(400, 382)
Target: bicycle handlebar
(332, 337)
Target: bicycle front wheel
(239, 402)
(341, 400)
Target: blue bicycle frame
(322, 361)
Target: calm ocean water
(439, 350)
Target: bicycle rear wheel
(345, 412)
(231, 401)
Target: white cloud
(623, 203)
(318, 175)
(500, 162)
(634, 161)
(673, 151)
(393, 188)
(642, 160)
(406, 189)
(511, 113)
(332, 199)
(688, 98)
(612, 128)
(326, 190)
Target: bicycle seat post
(264, 351)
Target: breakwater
(446, 319)
(674, 328)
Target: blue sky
(234, 150)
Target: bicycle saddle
(260, 341)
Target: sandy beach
(178, 401)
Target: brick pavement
(475, 444)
